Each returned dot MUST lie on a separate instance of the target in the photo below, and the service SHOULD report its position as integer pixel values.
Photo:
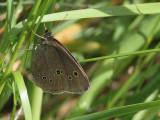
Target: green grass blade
(134, 9)
(120, 55)
(119, 111)
(23, 94)
(9, 23)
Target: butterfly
(55, 69)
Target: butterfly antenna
(60, 22)
(45, 26)
(38, 35)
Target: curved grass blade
(23, 94)
(123, 10)
(119, 111)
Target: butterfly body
(56, 70)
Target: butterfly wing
(57, 71)
(75, 76)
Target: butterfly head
(47, 34)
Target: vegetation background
(116, 41)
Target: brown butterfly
(55, 69)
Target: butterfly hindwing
(77, 79)
(55, 65)
(56, 70)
